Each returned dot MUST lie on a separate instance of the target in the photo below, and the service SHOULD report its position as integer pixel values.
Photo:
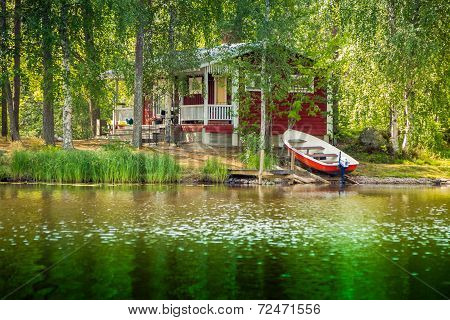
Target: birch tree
(67, 108)
(138, 79)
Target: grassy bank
(103, 166)
(383, 165)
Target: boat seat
(296, 141)
(329, 161)
(321, 155)
(311, 148)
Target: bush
(214, 170)
(372, 140)
(74, 166)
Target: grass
(75, 166)
(416, 164)
(214, 170)
(384, 170)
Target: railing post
(235, 105)
(205, 98)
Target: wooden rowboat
(316, 153)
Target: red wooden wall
(312, 124)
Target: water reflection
(173, 242)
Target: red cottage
(209, 108)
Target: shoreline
(232, 182)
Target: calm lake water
(180, 242)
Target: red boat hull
(317, 165)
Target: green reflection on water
(178, 242)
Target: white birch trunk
(138, 83)
(262, 135)
(67, 107)
(407, 129)
(394, 130)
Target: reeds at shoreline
(104, 166)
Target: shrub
(372, 140)
(214, 170)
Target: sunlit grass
(404, 170)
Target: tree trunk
(48, 125)
(67, 107)
(92, 60)
(5, 77)
(171, 40)
(394, 130)
(9, 100)
(4, 113)
(17, 53)
(262, 135)
(409, 97)
(138, 82)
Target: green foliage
(381, 57)
(116, 145)
(119, 166)
(5, 172)
(250, 153)
(214, 170)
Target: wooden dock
(298, 175)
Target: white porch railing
(191, 113)
(215, 112)
(220, 112)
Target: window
(302, 83)
(195, 85)
(221, 90)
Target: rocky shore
(391, 180)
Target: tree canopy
(385, 63)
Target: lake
(194, 242)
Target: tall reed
(75, 166)
(214, 170)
